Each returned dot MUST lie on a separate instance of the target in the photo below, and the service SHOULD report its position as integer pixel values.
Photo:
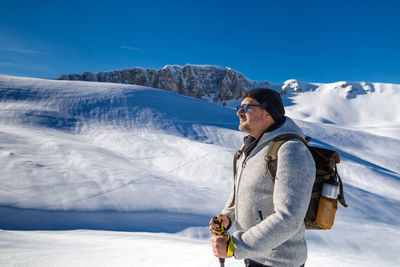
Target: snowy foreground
(97, 174)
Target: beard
(243, 125)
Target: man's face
(256, 120)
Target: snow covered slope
(87, 155)
(371, 107)
(79, 146)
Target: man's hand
(218, 244)
(225, 221)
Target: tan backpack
(321, 211)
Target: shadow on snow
(140, 221)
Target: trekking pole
(219, 231)
(221, 262)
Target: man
(269, 216)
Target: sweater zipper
(260, 213)
(237, 185)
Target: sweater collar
(250, 142)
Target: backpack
(320, 214)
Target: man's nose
(240, 111)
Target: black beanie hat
(271, 101)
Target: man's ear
(269, 117)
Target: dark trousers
(250, 263)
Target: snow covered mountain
(107, 156)
(212, 83)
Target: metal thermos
(328, 204)
(331, 189)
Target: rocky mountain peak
(208, 82)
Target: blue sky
(312, 41)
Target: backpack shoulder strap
(271, 158)
(341, 194)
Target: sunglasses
(245, 107)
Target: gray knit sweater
(269, 216)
